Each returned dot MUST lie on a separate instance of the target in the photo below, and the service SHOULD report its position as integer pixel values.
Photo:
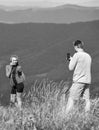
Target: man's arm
(73, 61)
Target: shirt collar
(80, 50)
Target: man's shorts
(18, 88)
(79, 89)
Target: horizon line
(38, 6)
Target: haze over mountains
(90, 3)
(42, 50)
(59, 14)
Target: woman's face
(14, 61)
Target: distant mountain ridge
(59, 14)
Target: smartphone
(68, 56)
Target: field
(42, 55)
(44, 109)
(42, 38)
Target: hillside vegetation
(44, 109)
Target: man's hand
(68, 58)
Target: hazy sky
(48, 2)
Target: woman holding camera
(15, 74)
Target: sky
(47, 3)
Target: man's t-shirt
(81, 64)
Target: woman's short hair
(15, 57)
(78, 43)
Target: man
(81, 64)
(16, 76)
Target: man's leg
(86, 96)
(75, 93)
(70, 105)
(72, 96)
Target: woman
(15, 74)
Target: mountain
(42, 51)
(94, 3)
(59, 14)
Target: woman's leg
(13, 96)
(19, 101)
(20, 88)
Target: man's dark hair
(78, 43)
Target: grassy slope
(44, 109)
(42, 49)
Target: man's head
(78, 45)
(14, 60)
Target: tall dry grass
(44, 109)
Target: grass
(44, 109)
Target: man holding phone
(81, 64)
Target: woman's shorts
(18, 88)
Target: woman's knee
(18, 96)
(12, 97)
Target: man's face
(75, 48)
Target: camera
(68, 56)
(19, 73)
